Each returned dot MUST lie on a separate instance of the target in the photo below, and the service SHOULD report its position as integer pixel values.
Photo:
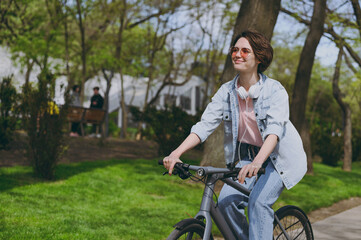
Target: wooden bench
(86, 115)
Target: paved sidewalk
(345, 225)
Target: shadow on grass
(21, 176)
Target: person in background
(96, 101)
(75, 102)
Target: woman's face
(244, 60)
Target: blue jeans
(265, 192)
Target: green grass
(129, 199)
(327, 186)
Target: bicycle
(290, 222)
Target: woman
(257, 132)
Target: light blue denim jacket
(272, 114)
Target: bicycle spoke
(299, 234)
(292, 225)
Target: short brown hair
(261, 47)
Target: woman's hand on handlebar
(169, 163)
(248, 170)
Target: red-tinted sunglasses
(245, 52)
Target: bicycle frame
(209, 209)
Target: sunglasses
(245, 52)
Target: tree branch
(329, 30)
(144, 19)
(349, 64)
(336, 77)
(357, 11)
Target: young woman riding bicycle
(257, 132)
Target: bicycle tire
(295, 222)
(189, 231)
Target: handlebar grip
(160, 161)
(235, 172)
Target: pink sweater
(248, 130)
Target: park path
(345, 225)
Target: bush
(44, 122)
(113, 128)
(329, 145)
(8, 111)
(168, 127)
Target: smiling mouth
(238, 60)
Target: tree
(213, 152)
(131, 15)
(303, 76)
(32, 31)
(346, 114)
(344, 23)
(91, 27)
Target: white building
(188, 96)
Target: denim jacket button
(281, 173)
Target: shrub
(44, 122)
(113, 128)
(168, 127)
(329, 145)
(8, 111)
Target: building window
(170, 100)
(185, 102)
(198, 98)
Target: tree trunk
(123, 133)
(29, 68)
(347, 159)
(83, 49)
(118, 51)
(303, 77)
(267, 13)
(306, 138)
(108, 78)
(67, 56)
(346, 114)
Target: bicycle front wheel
(295, 222)
(188, 232)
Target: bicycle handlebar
(181, 169)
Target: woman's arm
(251, 169)
(190, 142)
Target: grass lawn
(129, 199)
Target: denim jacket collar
(261, 81)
